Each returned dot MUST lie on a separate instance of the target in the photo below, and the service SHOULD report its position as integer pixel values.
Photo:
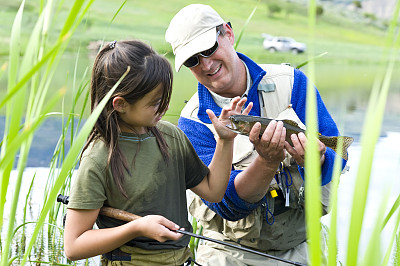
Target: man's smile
(215, 71)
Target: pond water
(384, 179)
(348, 107)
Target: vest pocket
(248, 228)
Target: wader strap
(117, 255)
(189, 262)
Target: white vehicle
(283, 44)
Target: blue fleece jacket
(232, 207)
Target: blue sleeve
(326, 125)
(232, 207)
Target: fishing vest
(261, 229)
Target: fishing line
(127, 217)
(238, 247)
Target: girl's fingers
(169, 224)
(239, 103)
(212, 116)
(225, 112)
(247, 110)
(234, 103)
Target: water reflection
(382, 181)
(347, 110)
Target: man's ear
(119, 104)
(229, 34)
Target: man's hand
(299, 146)
(271, 144)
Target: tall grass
(312, 158)
(26, 107)
(370, 134)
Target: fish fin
(290, 122)
(347, 141)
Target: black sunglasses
(194, 60)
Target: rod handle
(118, 214)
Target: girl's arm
(213, 186)
(81, 241)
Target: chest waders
(279, 223)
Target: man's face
(220, 72)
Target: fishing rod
(128, 217)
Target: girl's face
(142, 114)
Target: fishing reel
(63, 199)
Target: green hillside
(343, 39)
(351, 49)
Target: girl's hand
(157, 227)
(235, 108)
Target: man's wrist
(267, 164)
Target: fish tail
(332, 142)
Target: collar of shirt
(222, 101)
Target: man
(263, 207)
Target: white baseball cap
(192, 31)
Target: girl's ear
(119, 104)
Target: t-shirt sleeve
(87, 190)
(232, 207)
(195, 169)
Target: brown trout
(242, 124)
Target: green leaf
(245, 25)
(312, 158)
(332, 237)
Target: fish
(242, 124)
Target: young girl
(135, 162)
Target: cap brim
(202, 42)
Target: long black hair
(147, 70)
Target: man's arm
(233, 206)
(253, 183)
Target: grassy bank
(148, 20)
(343, 41)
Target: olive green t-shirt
(154, 187)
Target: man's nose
(205, 62)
